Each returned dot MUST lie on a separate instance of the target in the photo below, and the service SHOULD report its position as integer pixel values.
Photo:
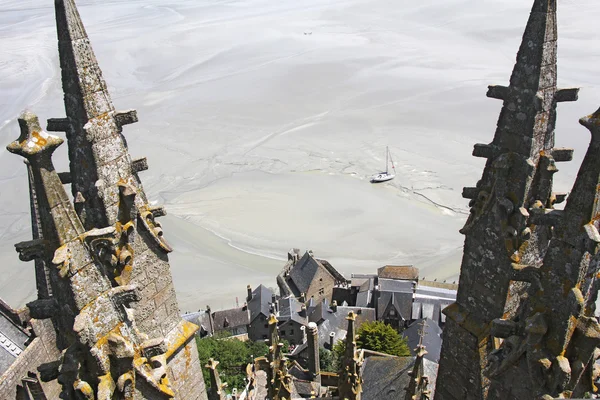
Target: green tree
(376, 336)
(233, 356)
(326, 360)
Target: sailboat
(385, 176)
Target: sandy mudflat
(262, 121)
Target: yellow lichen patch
(185, 330)
(188, 357)
(39, 139)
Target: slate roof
(200, 318)
(406, 272)
(289, 309)
(316, 314)
(432, 339)
(435, 292)
(303, 272)
(305, 388)
(401, 301)
(12, 337)
(232, 318)
(430, 301)
(387, 377)
(298, 372)
(365, 293)
(260, 302)
(339, 278)
(358, 280)
(394, 285)
(336, 322)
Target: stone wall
(41, 350)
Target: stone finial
(216, 391)
(418, 385)
(33, 141)
(334, 306)
(582, 204)
(350, 381)
(592, 122)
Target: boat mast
(387, 151)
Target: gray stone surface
(103, 272)
(522, 325)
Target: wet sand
(262, 122)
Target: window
(282, 333)
(266, 325)
(321, 291)
(291, 331)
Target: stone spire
(104, 178)
(279, 381)
(350, 386)
(58, 223)
(61, 221)
(104, 353)
(97, 149)
(555, 333)
(216, 391)
(418, 385)
(501, 235)
(110, 296)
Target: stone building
(234, 320)
(261, 304)
(102, 269)
(431, 298)
(394, 301)
(522, 326)
(308, 278)
(292, 318)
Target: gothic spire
(418, 385)
(97, 150)
(216, 391)
(350, 384)
(59, 220)
(501, 235)
(576, 242)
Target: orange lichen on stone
(185, 331)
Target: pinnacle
(592, 121)
(33, 140)
(81, 75)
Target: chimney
(303, 330)
(302, 297)
(210, 321)
(313, 352)
(334, 306)
(331, 340)
(274, 302)
(302, 312)
(249, 297)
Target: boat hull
(382, 177)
